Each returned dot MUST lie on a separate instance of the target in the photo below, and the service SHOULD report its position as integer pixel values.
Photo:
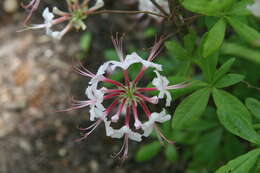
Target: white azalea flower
(96, 107)
(48, 23)
(119, 133)
(109, 129)
(98, 4)
(255, 8)
(147, 5)
(161, 83)
(155, 117)
(126, 98)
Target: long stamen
(83, 72)
(160, 134)
(178, 86)
(123, 148)
(77, 104)
(92, 127)
(34, 6)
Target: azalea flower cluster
(126, 98)
(77, 13)
(79, 10)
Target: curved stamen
(123, 149)
(161, 135)
(92, 128)
(34, 6)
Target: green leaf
(147, 152)
(240, 8)
(150, 32)
(176, 50)
(190, 41)
(191, 108)
(241, 164)
(85, 41)
(111, 54)
(254, 106)
(208, 66)
(228, 80)
(214, 38)
(223, 69)
(171, 153)
(241, 51)
(206, 150)
(207, 7)
(234, 116)
(246, 32)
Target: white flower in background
(255, 8)
(77, 13)
(118, 106)
(147, 5)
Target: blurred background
(36, 80)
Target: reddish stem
(111, 106)
(140, 74)
(146, 109)
(127, 117)
(111, 95)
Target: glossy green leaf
(234, 116)
(208, 66)
(228, 80)
(190, 41)
(241, 51)
(147, 152)
(248, 33)
(191, 108)
(254, 106)
(214, 38)
(224, 69)
(171, 153)
(207, 7)
(241, 164)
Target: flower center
(129, 93)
